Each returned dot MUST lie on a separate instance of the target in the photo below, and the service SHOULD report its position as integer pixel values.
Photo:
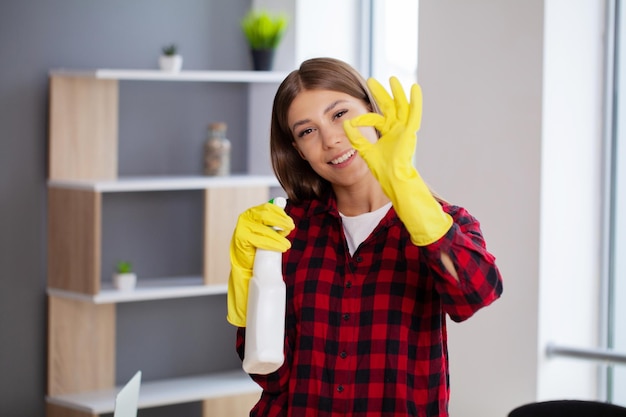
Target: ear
(298, 149)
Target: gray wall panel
(156, 122)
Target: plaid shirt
(366, 334)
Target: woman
(373, 262)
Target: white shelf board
(146, 289)
(163, 392)
(158, 75)
(133, 184)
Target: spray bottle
(265, 322)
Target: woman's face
(316, 119)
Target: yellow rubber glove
(265, 226)
(391, 160)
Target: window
(394, 41)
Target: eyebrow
(326, 110)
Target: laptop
(128, 397)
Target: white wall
(511, 130)
(480, 66)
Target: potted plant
(124, 278)
(263, 31)
(170, 60)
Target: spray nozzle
(279, 201)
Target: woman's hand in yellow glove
(391, 160)
(265, 226)
(398, 125)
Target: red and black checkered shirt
(366, 334)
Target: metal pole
(600, 355)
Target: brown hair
(295, 174)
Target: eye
(304, 132)
(340, 114)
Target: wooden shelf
(157, 75)
(147, 289)
(133, 184)
(163, 392)
(83, 167)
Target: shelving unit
(83, 143)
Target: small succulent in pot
(170, 60)
(124, 267)
(170, 50)
(124, 278)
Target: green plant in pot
(170, 60)
(264, 32)
(124, 278)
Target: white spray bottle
(265, 321)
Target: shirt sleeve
(479, 283)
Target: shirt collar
(326, 204)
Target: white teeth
(343, 157)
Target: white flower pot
(125, 282)
(171, 63)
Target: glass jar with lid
(217, 151)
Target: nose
(332, 137)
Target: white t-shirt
(358, 228)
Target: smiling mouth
(343, 158)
